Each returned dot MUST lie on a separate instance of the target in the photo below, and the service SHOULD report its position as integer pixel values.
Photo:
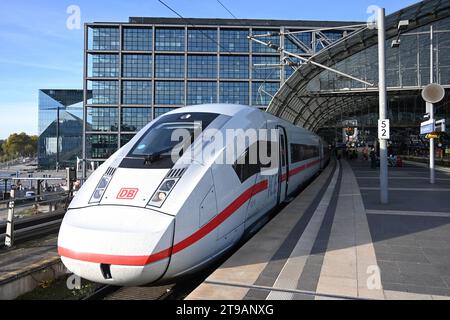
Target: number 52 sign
(383, 129)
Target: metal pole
(384, 197)
(431, 108)
(9, 237)
(85, 99)
(57, 139)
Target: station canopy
(313, 96)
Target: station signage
(384, 129)
(427, 127)
(440, 126)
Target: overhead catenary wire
(187, 21)
(231, 13)
(306, 60)
(223, 6)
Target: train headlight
(100, 189)
(160, 196)
(163, 192)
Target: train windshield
(167, 139)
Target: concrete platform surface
(27, 265)
(337, 241)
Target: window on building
(234, 40)
(102, 119)
(234, 92)
(262, 92)
(265, 67)
(137, 65)
(160, 111)
(101, 146)
(169, 66)
(202, 40)
(169, 39)
(137, 92)
(331, 36)
(104, 92)
(134, 119)
(137, 39)
(105, 38)
(234, 67)
(169, 92)
(103, 65)
(260, 48)
(125, 138)
(200, 92)
(298, 42)
(202, 67)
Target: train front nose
(117, 245)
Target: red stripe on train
(144, 260)
(297, 170)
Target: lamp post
(384, 197)
(431, 94)
(430, 107)
(57, 138)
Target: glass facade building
(60, 128)
(146, 67)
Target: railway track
(31, 227)
(107, 292)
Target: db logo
(127, 193)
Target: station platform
(336, 240)
(28, 265)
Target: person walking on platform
(366, 153)
(373, 159)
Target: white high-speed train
(144, 216)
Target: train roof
(232, 110)
(220, 108)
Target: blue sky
(37, 50)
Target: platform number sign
(383, 129)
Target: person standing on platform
(373, 158)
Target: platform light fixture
(395, 43)
(402, 25)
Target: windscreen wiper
(151, 158)
(154, 157)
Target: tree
(20, 145)
(1, 147)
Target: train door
(283, 180)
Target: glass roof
(312, 95)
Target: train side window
(248, 163)
(301, 152)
